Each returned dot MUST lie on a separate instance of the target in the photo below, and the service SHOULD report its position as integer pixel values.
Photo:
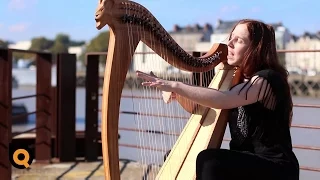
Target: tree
(98, 44)
(59, 47)
(61, 44)
(3, 44)
(76, 43)
(41, 44)
(63, 38)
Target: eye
(240, 40)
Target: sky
(21, 20)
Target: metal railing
(92, 108)
(47, 112)
(55, 109)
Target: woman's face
(238, 44)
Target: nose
(230, 43)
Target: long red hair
(262, 53)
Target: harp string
(142, 121)
(152, 120)
(142, 141)
(162, 124)
(170, 124)
(162, 121)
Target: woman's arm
(188, 105)
(185, 103)
(242, 94)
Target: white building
(77, 50)
(186, 37)
(223, 29)
(146, 60)
(305, 61)
(23, 45)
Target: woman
(261, 110)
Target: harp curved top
(119, 15)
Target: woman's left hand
(153, 81)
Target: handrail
(45, 112)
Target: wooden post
(92, 103)
(53, 120)
(5, 111)
(66, 91)
(43, 105)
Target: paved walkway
(83, 170)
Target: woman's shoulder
(272, 76)
(268, 73)
(274, 79)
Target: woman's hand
(153, 81)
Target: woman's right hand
(168, 96)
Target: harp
(129, 23)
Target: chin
(232, 62)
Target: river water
(306, 116)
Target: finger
(152, 84)
(146, 83)
(139, 73)
(152, 74)
(145, 76)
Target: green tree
(63, 38)
(3, 44)
(98, 44)
(61, 44)
(76, 43)
(59, 47)
(41, 44)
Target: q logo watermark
(20, 156)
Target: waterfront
(307, 116)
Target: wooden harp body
(130, 23)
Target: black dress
(261, 145)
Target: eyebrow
(242, 37)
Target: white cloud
(20, 27)
(20, 4)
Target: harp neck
(132, 19)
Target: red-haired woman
(261, 110)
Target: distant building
(145, 59)
(223, 29)
(282, 35)
(186, 37)
(23, 45)
(77, 50)
(220, 35)
(306, 61)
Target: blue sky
(24, 19)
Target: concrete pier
(83, 170)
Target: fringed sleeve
(269, 84)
